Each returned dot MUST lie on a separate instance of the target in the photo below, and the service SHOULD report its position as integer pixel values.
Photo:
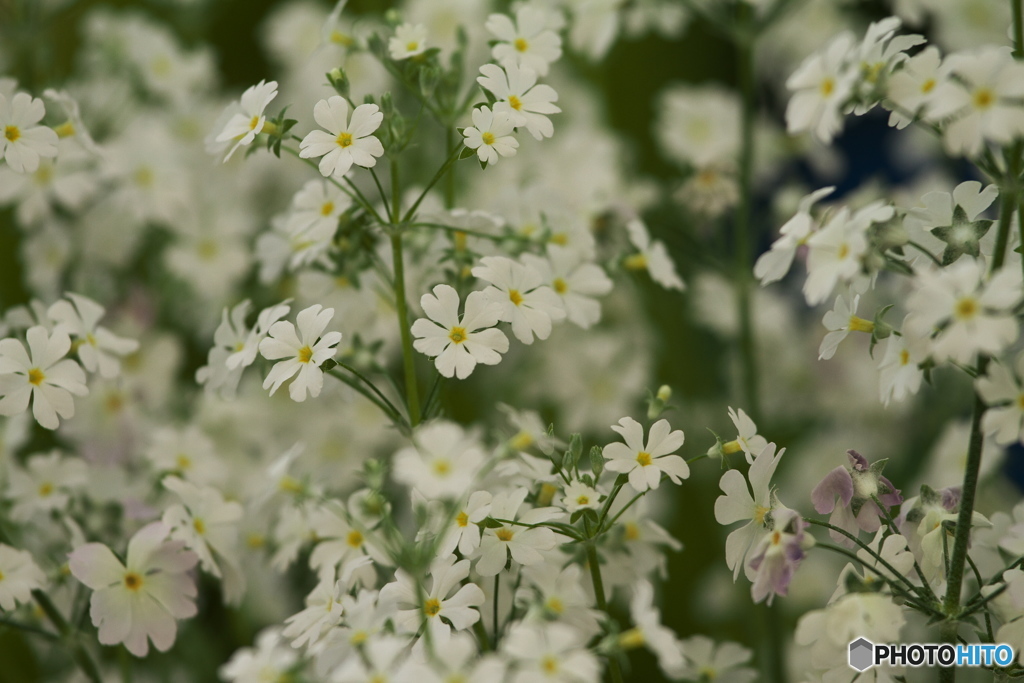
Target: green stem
(395, 417)
(357, 196)
(1017, 8)
(602, 604)
(396, 194)
(28, 628)
(373, 387)
(78, 651)
(411, 391)
(449, 179)
(743, 235)
(892, 525)
(494, 621)
(388, 208)
(452, 158)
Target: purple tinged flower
(855, 488)
(778, 554)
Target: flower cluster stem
(595, 574)
(411, 390)
(70, 637)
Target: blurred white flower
(528, 42)
(19, 576)
(22, 142)
(48, 378)
(521, 298)
(248, 119)
(409, 40)
(518, 95)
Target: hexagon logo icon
(862, 654)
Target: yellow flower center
(828, 86)
(45, 489)
(305, 354)
(132, 581)
(759, 513)
(515, 297)
(983, 98)
(554, 605)
(253, 122)
(547, 494)
(1020, 401)
(207, 249)
(549, 665)
(928, 86)
(560, 285)
(358, 637)
(341, 38)
(521, 441)
(344, 140)
(43, 175)
(12, 133)
(183, 462)
(583, 500)
(255, 541)
(844, 250)
(904, 357)
(731, 447)
(442, 467)
(36, 376)
(290, 484)
(966, 308)
(644, 458)
(462, 519)
(411, 46)
(354, 539)
(431, 607)
(488, 138)
(1, 576)
(199, 526)
(707, 673)
(515, 102)
(631, 531)
(143, 176)
(521, 45)
(326, 209)
(559, 238)
(504, 534)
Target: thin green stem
(896, 588)
(924, 250)
(1017, 8)
(449, 179)
(388, 208)
(602, 604)
(467, 231)
(396, 193)
(411, 390)
(29, 628)
(891, 523)
(357, 198)
(78, 652)
(494, 622)
(371, 385)
(395, 417)
(452, 157)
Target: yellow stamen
(305, 354)
(183, 462)
(904, 357)
(199, 526)
(12, 133)
(928, 86)
(983, 98)
(457, 334)
(412, 46)
(632, 531)
(132, 581)
(731, 447)
(546, 495)
(644, 458)
(36, 376)
(504, 534)
(583, 500)
(521, 441)
(442, 467)
(431, 607)
(827, 87)
(631, 639)
(65, 130)
(549, 664)
(327, 208)
(966, 308)
(354, 539)
(521, 45)
(635, 262)
(45, 489)
(462, 519)
(515, 102)
(560, 285)
(554, 605)
(487, 138)
(344, 140)
(515, 297)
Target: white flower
(324, 609)
(579, 496)
(574, 280)
(1002, 391)
(969, 314)
(699, 126)
(464, 531)
(208, 525)
(457, 660)
(270, 660)
(899, 370)
(248, 119)
(491, 135)
(721, 662)
(835, 251)
(652, 257)
(187, 452)
(346, 141)
(74, 127)
(520, 296)
(19, 576)
(645, 463)
(983, 101)
(521, 542)
(21, 141)
(303, 356)
(340, 544)
(409, 40)
(840, 321)
(821, 86)
(45, 484)
(47, 377)
(459, 343)
(739, 505)
(236, 346)
(773, 265)
(527, 104)
(140, 599)
(560, 594)
(443, 607)
(878, 54)
(649, 632)
(913, 88)
(98, 347)
(528, 42)
(443, 462)
(551, 653)
(747, 439)
(316, 209)
(381, 660)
